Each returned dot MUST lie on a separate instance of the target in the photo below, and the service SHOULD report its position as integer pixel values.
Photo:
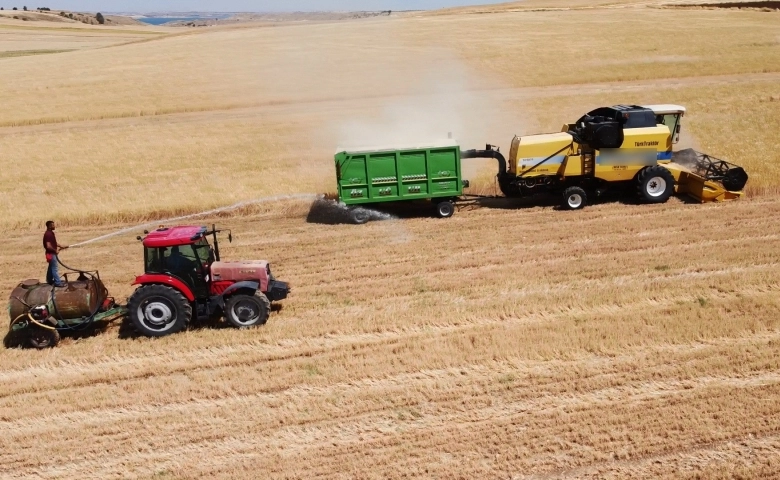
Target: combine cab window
(672, 121)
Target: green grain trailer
(376, 175)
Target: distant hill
(64, 16)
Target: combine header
(706, 178)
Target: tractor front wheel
(157, 310)
(655, 184)
(244, 311)
(41, 338)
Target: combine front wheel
(244, 311)
(157, 310)
(655, 184)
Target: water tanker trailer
(373, 176)
(42, 311)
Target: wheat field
(510, 341)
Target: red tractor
(185, 279)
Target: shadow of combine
(330, 212)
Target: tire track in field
(218, 357)
(723, 454)
(607, 367)
(375, 426)
(61, 377)
(275, 395)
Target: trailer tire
(445, 209)
(158, 310)
(41, 338)
(246, 311)
(655, 184)
(360, 215)
(574, 198)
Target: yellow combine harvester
(614, 147)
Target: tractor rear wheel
(655, 184)
(574, 198)
(41, 338)
(157, 310)
(445, 209)
(244, 311)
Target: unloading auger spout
(507, 188)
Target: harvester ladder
(588, 163)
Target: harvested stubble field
(510, 341)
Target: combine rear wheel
(41, 338)
(157, 310)
(244, 311)
(574, 198)
(655, 184)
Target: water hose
(35, 322)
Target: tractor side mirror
(138, 238)
(230, 237)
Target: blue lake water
(162, 20)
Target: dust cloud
(370, 86)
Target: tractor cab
(184, 279)
(183, 253)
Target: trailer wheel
(360, 215)
(244, 311)
(41, 338)
(445, 209)
(574, 198)
(157, 310)
(655, 184)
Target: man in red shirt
(52, 250)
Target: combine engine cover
(252, 270)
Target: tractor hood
(255, 270)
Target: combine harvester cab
(624, 146)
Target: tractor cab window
(180, 260)
(153, 262)
(204, 251)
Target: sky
(240, 5)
